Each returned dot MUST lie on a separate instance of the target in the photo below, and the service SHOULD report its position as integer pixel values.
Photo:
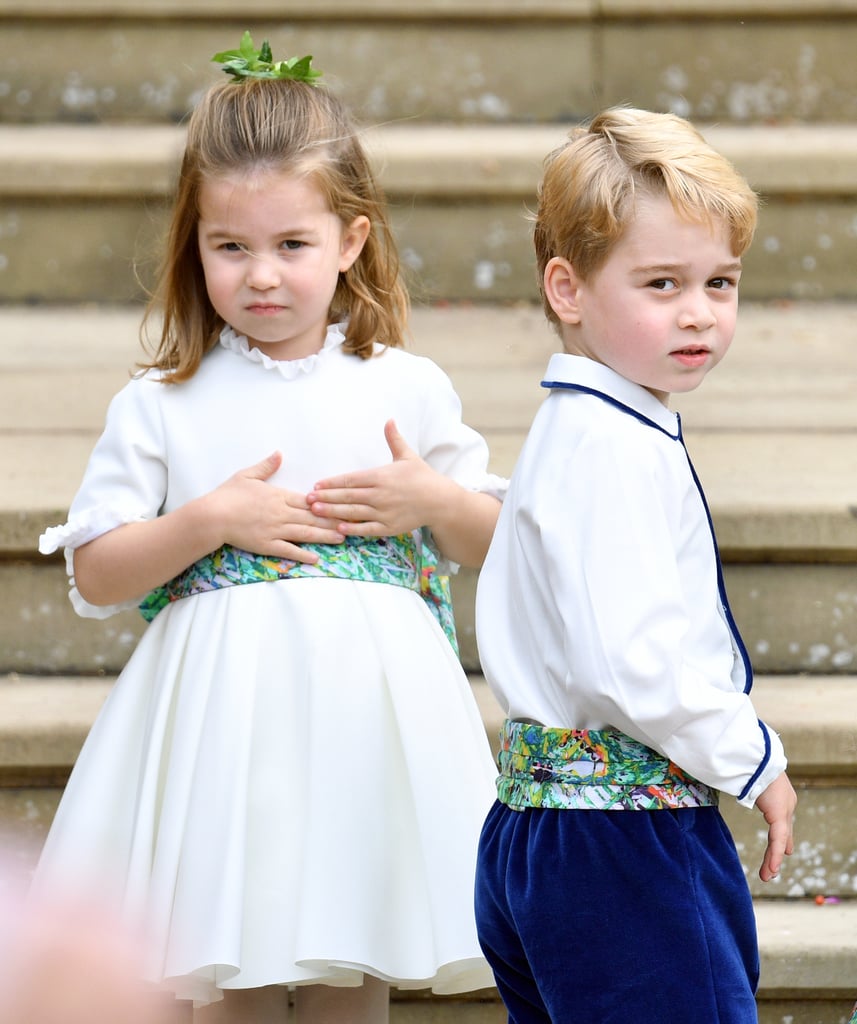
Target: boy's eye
(722, 283)
(662, 284)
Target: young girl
(287, 782)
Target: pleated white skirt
(286, 786)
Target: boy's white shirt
(598, 604)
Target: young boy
(602, 619)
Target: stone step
(452, 60)
(43, 722)
(772, 433)
(81, 207)
(808, 1001)
(809, 951)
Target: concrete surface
(772, 430)
(460, 161)
(445, 59)
(84, 205)
(44, 720)
(772, 433)
(808, 951)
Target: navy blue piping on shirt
(721, 585)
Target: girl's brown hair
(285, 126)
(586, 198)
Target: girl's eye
(292, 244)
(232, 247)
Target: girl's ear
(562, 287)
(354, 238)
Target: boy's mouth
(692, 355)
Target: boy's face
(661, 310)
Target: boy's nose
(697, 314)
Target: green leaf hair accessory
(248, 62)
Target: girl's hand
(268, 520)
(777, 803)
(404, 495)
(384, 501)
(245, 511)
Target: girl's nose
(262, 273)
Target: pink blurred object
(67, 964)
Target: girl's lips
(265, 310)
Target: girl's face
(271, 253)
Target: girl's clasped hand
(404, 495)
(261, 517)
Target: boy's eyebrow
(670, 268)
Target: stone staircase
(465, 98)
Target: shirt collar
(579, 373)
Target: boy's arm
(628, 575)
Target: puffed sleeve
(628, 605)
(446, 443)
(125, 481)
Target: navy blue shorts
(616, 917)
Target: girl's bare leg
(326, 1004)
(269, 1005)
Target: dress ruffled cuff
(81, 528)
(496, 486)
(94, 611)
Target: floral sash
(585, 769)
(404, 561)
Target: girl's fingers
(345, 513)
(337, 493)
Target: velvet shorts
(616, 917)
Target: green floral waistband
(403, 561)
(587, 769)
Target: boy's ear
(354, 238)
(561, 290)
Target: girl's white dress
(287, 782)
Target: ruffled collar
(288, 368)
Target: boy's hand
(777, 803)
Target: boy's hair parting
(587, 193)
(279, 126)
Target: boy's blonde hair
(587, 193)
(281, 126)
